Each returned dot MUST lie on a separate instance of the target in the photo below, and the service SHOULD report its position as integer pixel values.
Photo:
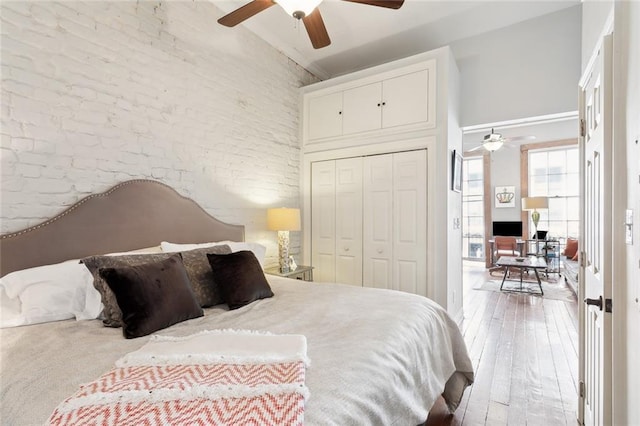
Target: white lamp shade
(535, 203)
(304, 6)
(492, 145)
(283, 219)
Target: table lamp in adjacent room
(283, 220)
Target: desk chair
(504, 246)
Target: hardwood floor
(525, 354)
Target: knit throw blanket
(222, 377)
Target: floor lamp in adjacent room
(283, 220)
(533, 204)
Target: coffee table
(522, 263)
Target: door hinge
(581, 389)
(608, 305)
(583, 130)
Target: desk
(534, 263)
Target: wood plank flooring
(525, 354)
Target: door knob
(595, 302)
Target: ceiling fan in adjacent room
(307, 10)
(494, 141)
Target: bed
(375, 356)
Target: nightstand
(302, 272)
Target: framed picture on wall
(456, 171)
(505, 196)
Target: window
(473, 209)
(554, 173)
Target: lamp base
(283, 251)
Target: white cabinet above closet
(398, 100)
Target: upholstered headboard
(134, 214)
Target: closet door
(410, 222)
(323, 224)
(378, 221)
(348, 213)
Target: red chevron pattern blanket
(179, 391)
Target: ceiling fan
(307, 10)
(494, 141)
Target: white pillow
(258, 249)
(47, 293)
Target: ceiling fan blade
(245, 12)
(520, 138)
(476, 148)
(391, 4)
(316, 29)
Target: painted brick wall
(94, 93)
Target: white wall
(525, 70)
(505, 171)
(100, 92)
(595, 14)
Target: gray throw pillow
(152, 296)
(206, 291)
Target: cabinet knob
(384, 103)
(378, 103)
(380, 251)
(339, 112)
(346, 249)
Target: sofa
(570, 270)
(570, 264)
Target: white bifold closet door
(336, 220)
(395, 221)
(369, 221)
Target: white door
(349, 221)
(410, 221)
(595, 354)
(323, 220)
(378, 221)
(325, 116)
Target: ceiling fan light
(493, 145)
(299, 8)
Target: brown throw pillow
(152, 296)
(195, 262)
(240, 278)
(571, 248)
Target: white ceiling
(363, 36)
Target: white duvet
(378, 357)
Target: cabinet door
(410, 222)
(323, 229)
(362, 109)
(325, 116)
(377, 221)
(349, 221)
(405, 99)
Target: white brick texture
(94, 93)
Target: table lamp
(283, 220)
